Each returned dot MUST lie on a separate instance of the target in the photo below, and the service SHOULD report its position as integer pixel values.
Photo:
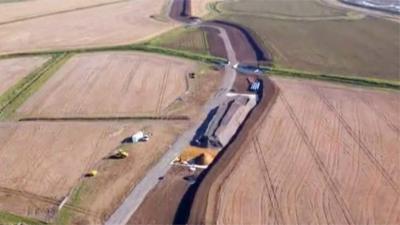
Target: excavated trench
(192, 207)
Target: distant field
(314, 36)
(111, 84)
(107, 25)
(367, 47)
(13, 70)
(288, 8)
(21, 9)
(324, 154)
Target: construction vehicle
(141, 136)
(121, 154)
(92, 173)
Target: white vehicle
(140, 136)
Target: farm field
(42, 162)
(335, 47)
(324, 154)
(111, 84)
(194, 40)
(199, 7)
(107, 25)
(17, 10)
(317, 37)
(13, 70)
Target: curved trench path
(139, 192)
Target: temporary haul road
(137, 195)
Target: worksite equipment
(140, 136)
(121, 154)
(92, 173)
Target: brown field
(111, 84)
(324, 154)
(121, 23)
(14, 69)
(27, 9)
(46, 160)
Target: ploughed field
(111, 85)
(14, 69)
(325, 154)
(112, 24)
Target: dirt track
(333, 162)
(111, 85)
(13, 70)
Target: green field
(315, 37)
(193, 40)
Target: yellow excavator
(120, 154)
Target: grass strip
(146, 47)
(279, 71)
(353, 80)
(65, 215)
(11, 219)
(20, 92)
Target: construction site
(101, 123)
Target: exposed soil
(114, 84)
(13, 70)
(163, 201)
(335, 161)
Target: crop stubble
(325, 154)
(110, 84)
(13, 70)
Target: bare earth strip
(13, 70)
(325, 154)
(111, 84)
(26, 9)
(121, 23)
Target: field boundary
(16, 95)
(97, 119)
(274, 70)
(10, 218)
(353, 80)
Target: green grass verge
(17, 95)
(65, 215)
(360, 81)
(11, 219)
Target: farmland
(111, 85)
(324, 154)
(107, 25)
(21, 9)
(13, 70)
(53, 157)
(317, 37)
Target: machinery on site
(120, 154)
(91, 173)
(141, 136)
